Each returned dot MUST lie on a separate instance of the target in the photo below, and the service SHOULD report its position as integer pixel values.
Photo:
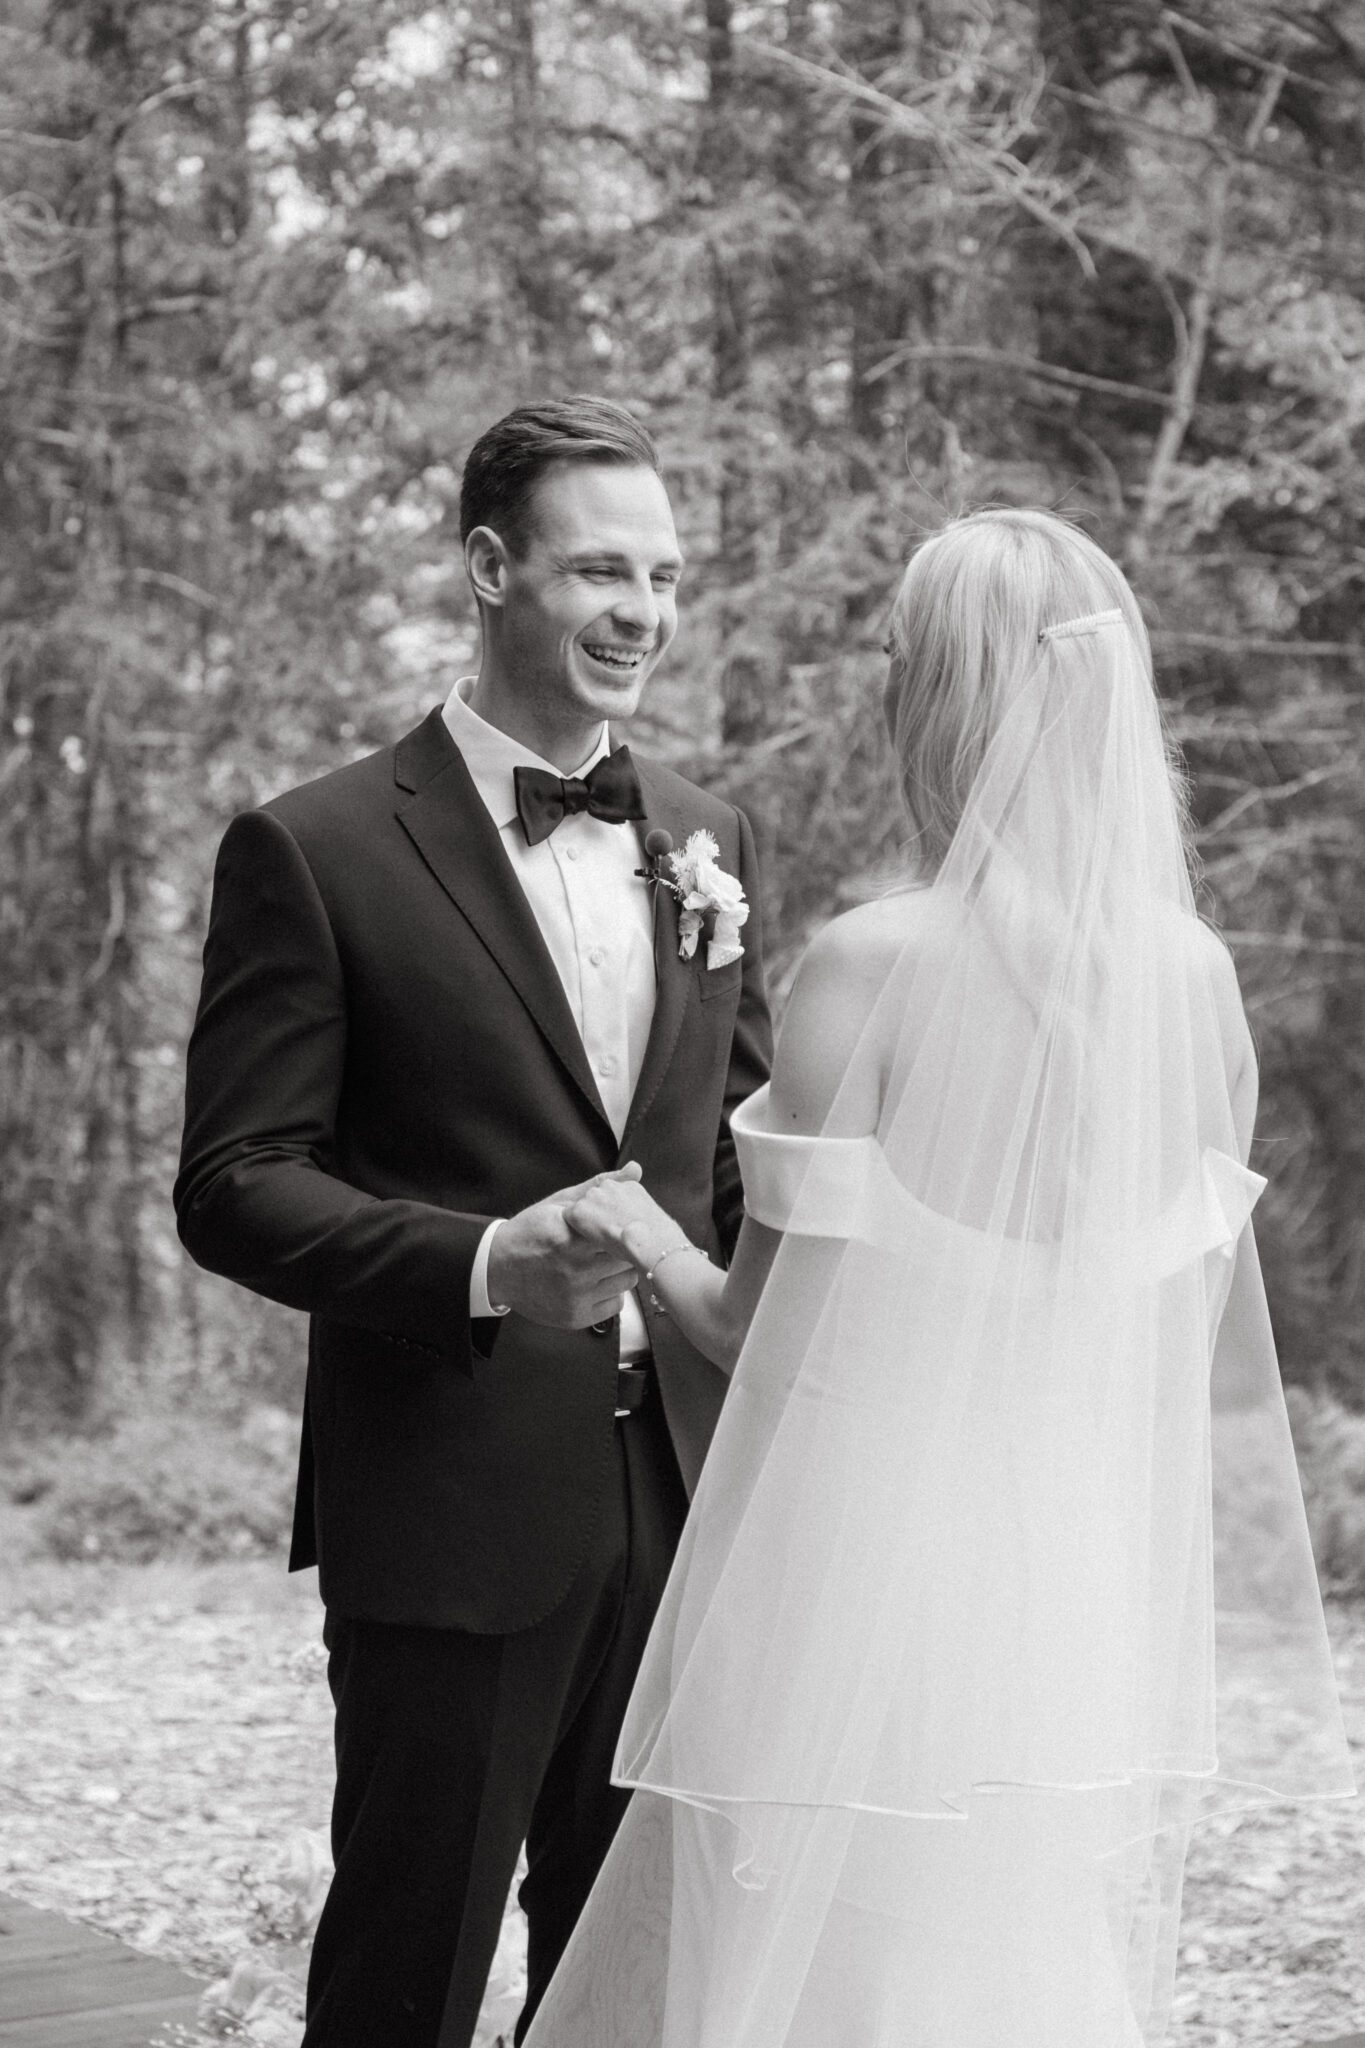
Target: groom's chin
(608, 698)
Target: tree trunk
(743, 679)
(873, 43)
(531, 264)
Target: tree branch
(1229, 643)
(1055, 373)
(1291, 942)
(167, 308)
(1282, 793)
(1243, 55)
(990, 158)
(113, 929)
(1276, 167)
(164, 580)
(1192, 337)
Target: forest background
(267, 269)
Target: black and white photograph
(682, 1024)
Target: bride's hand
(617, 1211)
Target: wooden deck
(64, 1986)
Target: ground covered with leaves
(165, 1773)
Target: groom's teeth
(616, 657)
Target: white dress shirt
(596, 918)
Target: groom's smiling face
(587, 607)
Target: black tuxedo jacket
(384, 1059)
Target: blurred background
(266, 271)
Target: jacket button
(599, 1329)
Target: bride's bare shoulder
(867, 941)
(833, 1002)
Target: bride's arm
(712, 1307)
(826, 1014)
(1239, 1050)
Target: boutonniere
(711, 901)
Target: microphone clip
(658, 846)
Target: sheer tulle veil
(998, 1579)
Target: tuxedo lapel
(449, 824)
(675, 976)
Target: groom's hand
(544, 1271)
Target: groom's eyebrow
(617, 560)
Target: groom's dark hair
(506, 463)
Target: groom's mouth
(619, 661)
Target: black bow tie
(611, 791)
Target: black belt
(632, 1384)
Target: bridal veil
(998, 1579)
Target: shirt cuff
(634, 1331)
(479, 1304)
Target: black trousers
(454, 1749)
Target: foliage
(164, 1487)
(1330, 1442)
(182, 1488)
(266, 270)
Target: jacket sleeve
(257, 1198)
(751, 1051)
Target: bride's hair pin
(1072, 629)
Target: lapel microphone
(658, 846)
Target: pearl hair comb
(1072, 629)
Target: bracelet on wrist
(684, 1244)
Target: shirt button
(571, 853)
(596, 956)
(606, 1065)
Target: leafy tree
(266, 269)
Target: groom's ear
(486, 559)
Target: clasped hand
(568, 1261)
(616, 1210)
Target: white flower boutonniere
(712, 901)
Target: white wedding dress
(997, 1579)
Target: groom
(436, 991)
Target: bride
(997, 1580)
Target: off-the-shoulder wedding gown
(997, 1580)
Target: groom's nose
(638, 609)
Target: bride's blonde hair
(965, 629)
